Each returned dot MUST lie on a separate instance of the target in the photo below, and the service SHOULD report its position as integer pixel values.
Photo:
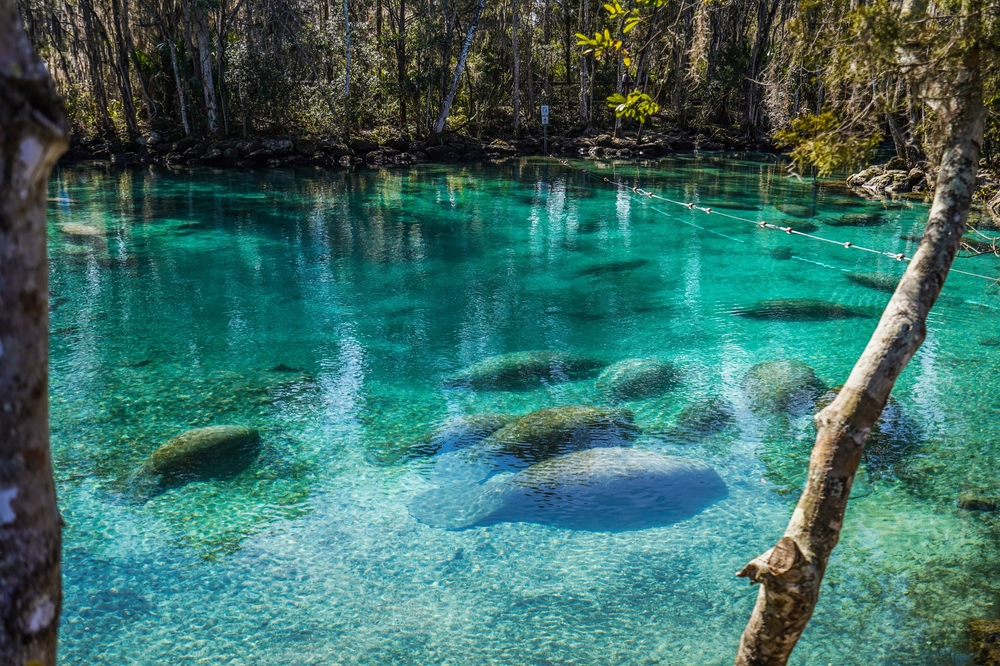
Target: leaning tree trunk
(33, 133)
(790, 573)
(450, 97)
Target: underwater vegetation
(799, 309)
(603, 490)
(525, 370)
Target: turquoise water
(327, 309)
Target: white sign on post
(545, 114)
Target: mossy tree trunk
(790, 573)
(33, 134)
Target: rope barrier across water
(762, 224)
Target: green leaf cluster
(637, 106)
(821, 140)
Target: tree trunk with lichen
(790, 573)
(33, 133)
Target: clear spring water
(326, 308)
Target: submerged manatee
(782, 386)
(796, 210)
(858, 220)
(876, 281)
(614, 267)
(601, 490)
(205, 453)
(637, 378)
(781, 253)
(799, 309)
(525, 370)
(894, 436)
(704, 417)
(461, 432)
(785, 450)
(557, 430)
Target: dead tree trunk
(33, 133)
(790, 573)
(450, 97)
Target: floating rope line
(762, 224)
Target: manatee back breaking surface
(549, 432)
(600, 490)
(637, 378)
(526, 370)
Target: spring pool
(329, 310)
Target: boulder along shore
(894, 178)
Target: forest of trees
(312, 67)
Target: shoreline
(277, 152)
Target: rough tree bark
(790, 573)
(516, 92)
(450, 97)
(199, 21)
(33, 133)
(765, 20)
(401, 63)
(347, 67)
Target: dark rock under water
(600, 490)
(799, 309)
(525, 370)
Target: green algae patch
(525, 370)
